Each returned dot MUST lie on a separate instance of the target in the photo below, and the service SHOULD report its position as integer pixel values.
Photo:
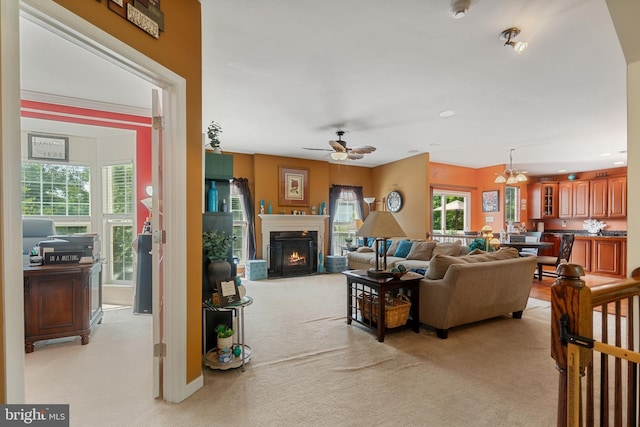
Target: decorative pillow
(421, 251)
(381, 249)
(403, 249)
(452, 248)
(439, 264)
(371, 241)
(478, 244)
(364, 249)
(392, 248)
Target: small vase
(217, 271)
(212, 198)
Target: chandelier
(510, 175)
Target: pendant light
(510, 176)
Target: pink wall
(140, 124)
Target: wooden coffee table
(359, 283)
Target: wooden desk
(359, 282)
(61, 301)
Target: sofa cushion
(364, 249)
(403, 249)
(393, 246)
(452, 248)
(421, 250)
(439, 264)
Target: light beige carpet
(309, 368)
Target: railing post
(569, 295)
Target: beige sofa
(420, 252)
(461, 290)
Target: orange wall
(262, 171)
(182, 28)
(410, 177)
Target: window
(451, 212)
(346, 213)
(241, 244)
(50, 189)
(118, 215)
(511, 198)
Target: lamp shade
(380, 224)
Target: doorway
(76, 30)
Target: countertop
(584, 234)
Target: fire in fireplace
(292, 253)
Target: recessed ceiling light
(618, 163)
(562, 170)
(605, 154)
(412, 151)
(435, 144)
(447, 113)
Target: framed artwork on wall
(48, 147)
(293, 186)
(490, 201)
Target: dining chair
(563, 256)
(531, 237)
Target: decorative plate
(394, 201)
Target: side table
(358, 283)
(210, 357)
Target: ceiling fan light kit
(510, 33)
(459, 8)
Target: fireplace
(305, 232)
(293, 253)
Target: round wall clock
(394, 201)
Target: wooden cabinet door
(581, 254)
(553, 250)
(565, 199)
(607, 255)
(580, 199)
(617, 188)
(535, 200)
(598, 198)
(550, 200)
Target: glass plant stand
(210, 358)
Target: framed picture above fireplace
(293, 186)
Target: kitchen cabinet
(617, 192)
(581, 253)
(609, 256)
(580, 199)
(61, 301)
(598, 198)
(565, 199)
(553, 238)
(543, 200)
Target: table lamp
(381, 225)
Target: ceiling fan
(340, 151)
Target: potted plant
(217, 247)
(213, 132)
(225, 337)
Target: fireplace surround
(306, 231)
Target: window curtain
(241, 186)
(343, 192)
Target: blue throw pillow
(384, 248)
(403, 249)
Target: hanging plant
(213, 132)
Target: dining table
(526, 245)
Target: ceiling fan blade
(355, 156)
(362, 149)
(316, 149)
(338, 145)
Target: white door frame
(77, 30)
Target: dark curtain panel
(337, 192)
(242, 187)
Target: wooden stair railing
(611, 397)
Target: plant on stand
(213, 132)
(217, 246)
(225, 337)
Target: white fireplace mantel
(291, 223)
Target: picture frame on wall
(293, 186)
(491, 201)
(48, 147)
